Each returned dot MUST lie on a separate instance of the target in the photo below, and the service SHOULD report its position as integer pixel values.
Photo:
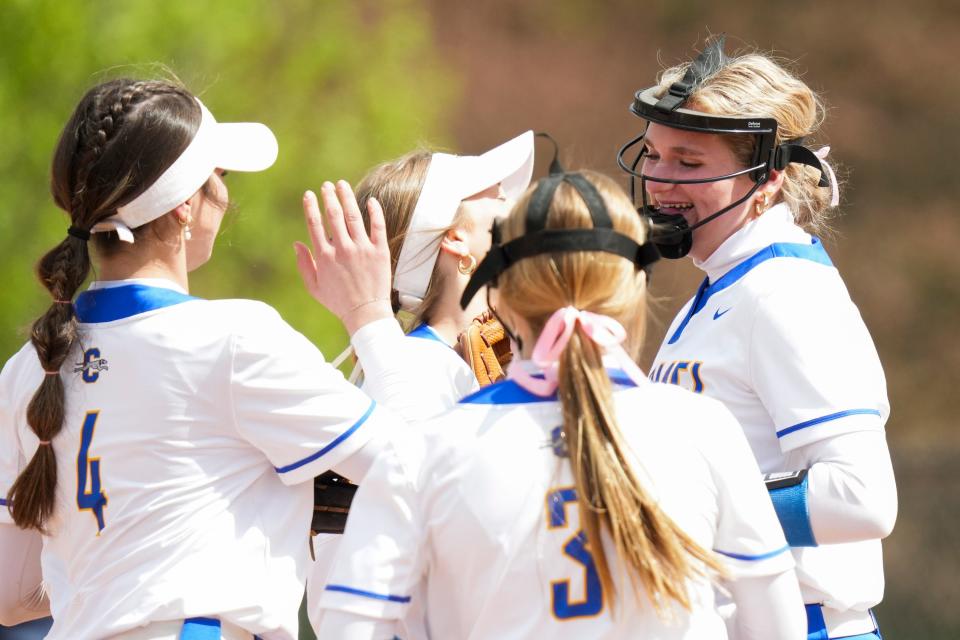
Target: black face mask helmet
(671, 233)
(538, 240)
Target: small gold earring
(471, 265)
(761, 205)
(186, 227)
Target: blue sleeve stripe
(343, 436)
(367, 594)
(762, 556)
(832, 416)
(3, 502)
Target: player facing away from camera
(575, 499)
(728, 179)
(438, 210)
(162, 445)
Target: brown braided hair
(121, 137)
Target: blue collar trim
(427, 332)
(814, 252)
(117, 303)
(509, 392)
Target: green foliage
(344, 85)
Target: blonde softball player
(575, 500)
(160, 446)
(728, 179)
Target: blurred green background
(348, 84)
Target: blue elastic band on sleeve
(791, 506)
(200, 629)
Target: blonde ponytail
(660, 558)
(663, 557)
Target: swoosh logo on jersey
(718, 313)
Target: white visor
(241, 146)
(451, 179)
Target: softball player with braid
(163, 447)
(728, 179)
(575, 500)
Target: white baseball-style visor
(232, 146)
(451, 179)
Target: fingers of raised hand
(351, 213)
(311, 213)
(378, 227)
(306, 266)
(339, 237)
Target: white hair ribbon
(114, 224)
(834, 187)
(606, 332)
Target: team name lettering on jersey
(683, 373)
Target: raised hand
(348, 271)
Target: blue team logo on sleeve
(91, 366)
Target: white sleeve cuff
(829, 425)
(752, 565)
(366, 428)
(374, 604)
(377, 343)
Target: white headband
(451, 179)
(243, 146)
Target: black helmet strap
(539, 240)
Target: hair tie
(51, 373)
(78, 233)
(44, 443)
(606, 332)
(63, 301)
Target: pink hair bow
(834, 187)
(606, 332)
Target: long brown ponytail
(662, 558)
(121, 137)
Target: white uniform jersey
(773, 334)
(193, 429)
(425, 377)
(439, 376)
(475, 513)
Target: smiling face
(676, 154)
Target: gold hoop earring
(471, 265)
(761, 205)
(185, 224)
